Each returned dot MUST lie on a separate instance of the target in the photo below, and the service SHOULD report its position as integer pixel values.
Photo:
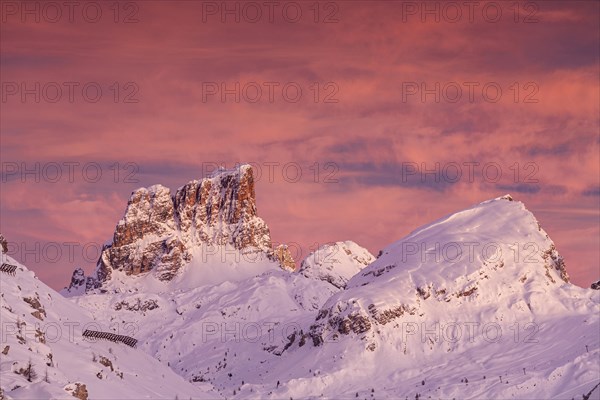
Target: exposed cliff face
(222, 210)
(159, 229)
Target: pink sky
(366, 57)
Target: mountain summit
(161, 232)
(488, 259)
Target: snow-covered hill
(42, 329)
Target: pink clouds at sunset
(520, 93)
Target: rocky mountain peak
(227, 197)
(159, 229)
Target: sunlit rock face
(159, 228)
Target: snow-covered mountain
(475, 305)
(44, 355)
(493, 258)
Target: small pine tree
(46, 378)
(30, 373)
(423, 383)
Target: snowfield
(476, 305)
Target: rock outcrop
(285, 258)
(159, 229)
(3, 244)
(596, 285)
(80, 283)
(77, 390)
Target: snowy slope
(41, 326)
(421, 307)
(210, 265)
(206, 333)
